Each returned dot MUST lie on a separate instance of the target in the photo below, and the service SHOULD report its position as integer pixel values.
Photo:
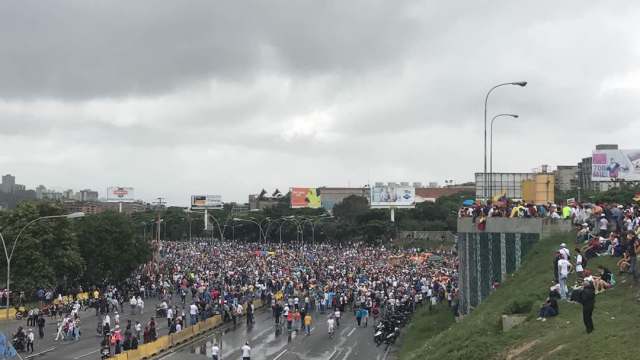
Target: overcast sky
(229, 97)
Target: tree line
(65, 253)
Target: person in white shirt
(169, 316)
(246, 351)
(133, 303)
(564, 267)
(215, 352)
(337, 316)
(30, 339)
(193, 313)
(178, 327)
(564, 252)
(140, 304)
(331, 325)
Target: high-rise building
(87, 195)
(8, 183)
(566, 177)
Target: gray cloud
(233, 96)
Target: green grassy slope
(479, 336)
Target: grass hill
(434, 335)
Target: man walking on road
(215, 351)
(246, 351)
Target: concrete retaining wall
(489, 256)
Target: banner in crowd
(120, 194)
(201, 202)
(607, 165)
(393, 196)
(302, 197)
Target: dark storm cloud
(366, 90)
(87, 49)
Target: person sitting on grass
(548, 309)
(602, 282)
(624, 263)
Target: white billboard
(120, 194)
(608, 165)
(398, 196)
(201, 202)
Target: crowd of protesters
(196, 281)
(191, 282)
(610, 230)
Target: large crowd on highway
(302, 284)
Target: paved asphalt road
(349, 342)
(89, 344)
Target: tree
(111, 246)
(47, 253)
(351, 208)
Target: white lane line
(351, 332)
(41, 352)
(279, 355)
(386, 353)
(333, 353)
(87, 354)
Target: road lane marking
(40, 353)
(386, 353)
(279, 355)
(87, 354)
(333, 353)
(351, 332)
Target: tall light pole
(251, 221)
(491, 150)
(292, 219)
(9, 256)
(486, 100)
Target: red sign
(120, 192)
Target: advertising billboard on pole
(304, 197)
(393, 196)
(608, 165)
(202, 202)
(120, 194)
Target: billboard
(201, 202)
(302, 197)
(120, 194)
(608, 165)
(387, 196)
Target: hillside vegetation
(480, 336)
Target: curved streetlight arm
(486, 100)
(285, 219)
(15, 242)
(9, 256)
(515, 116)
(260, 235)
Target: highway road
(89, 344)
(349, 342)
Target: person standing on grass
(564, 268)
(588, 301)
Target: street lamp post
(491, 150)
(252, 221)
(486, 100)
(292, 220)
(9, 256)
